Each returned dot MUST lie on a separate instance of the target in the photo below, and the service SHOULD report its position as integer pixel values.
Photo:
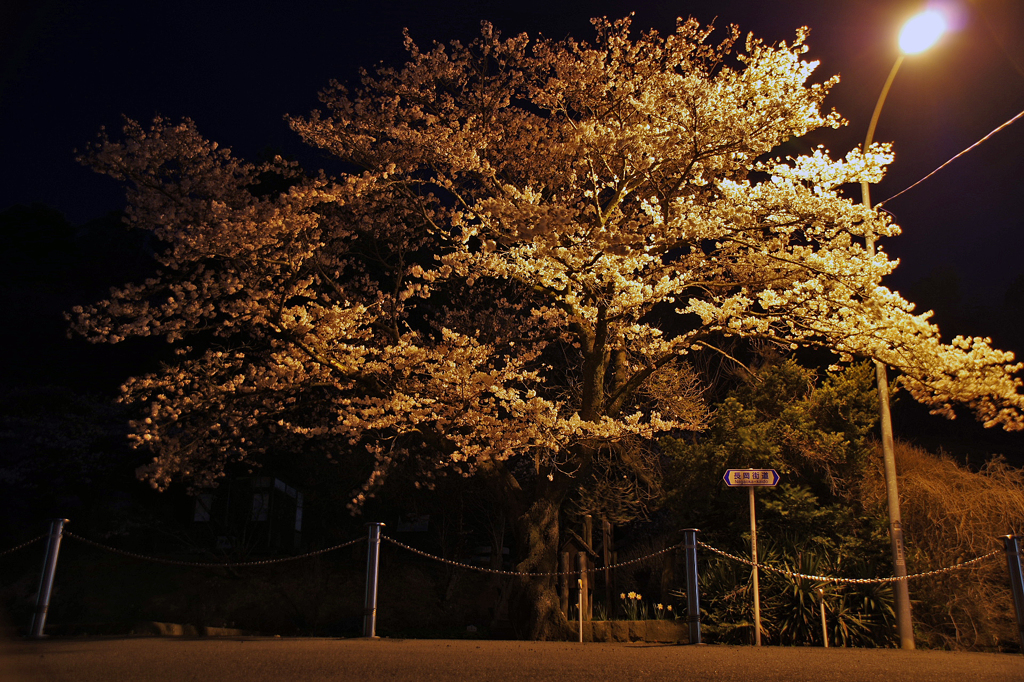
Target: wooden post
(566, 581)
(606, 555)
(753, 557)
(591, 583)
(668, 566)
(585, 602)
(588, 580)
(824, 627)
(581, 563)
(615, 579)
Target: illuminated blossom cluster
(532, 236)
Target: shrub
(952, 514)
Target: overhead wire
(954, 158)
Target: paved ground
(326, 660)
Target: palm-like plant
(856, 614)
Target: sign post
(750, 479)
(753, 557)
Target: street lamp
(917, 35)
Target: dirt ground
(155, 659)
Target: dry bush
(952, 514)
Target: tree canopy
(525, 242)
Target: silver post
(372, 567)
(692, 590)
(901, 591)
(824, 630)
(1016, 582)
(46, 578)
(753, 557)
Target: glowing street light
(918, 34)
(922, 31)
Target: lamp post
(917, 35)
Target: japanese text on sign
(751, 477)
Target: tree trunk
(534, 608)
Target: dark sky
(236, 69)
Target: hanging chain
(494, 571)
(237, 564)
(851, 581)
(23, 545)
(480, 569)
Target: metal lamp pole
(912, 40)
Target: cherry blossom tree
(528, 241)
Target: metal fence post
(692, 588)
(46, 578)
(1016, 582)
(372, 567)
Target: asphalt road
(326, 660)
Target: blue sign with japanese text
(748, 477)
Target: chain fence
(402, 545)
(210, 564)
(775, 569)
(690, 545)
(849, 581)
(493, 571)
(23, 545)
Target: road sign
(751, 477)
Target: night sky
(70, 67)
(67, 68)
